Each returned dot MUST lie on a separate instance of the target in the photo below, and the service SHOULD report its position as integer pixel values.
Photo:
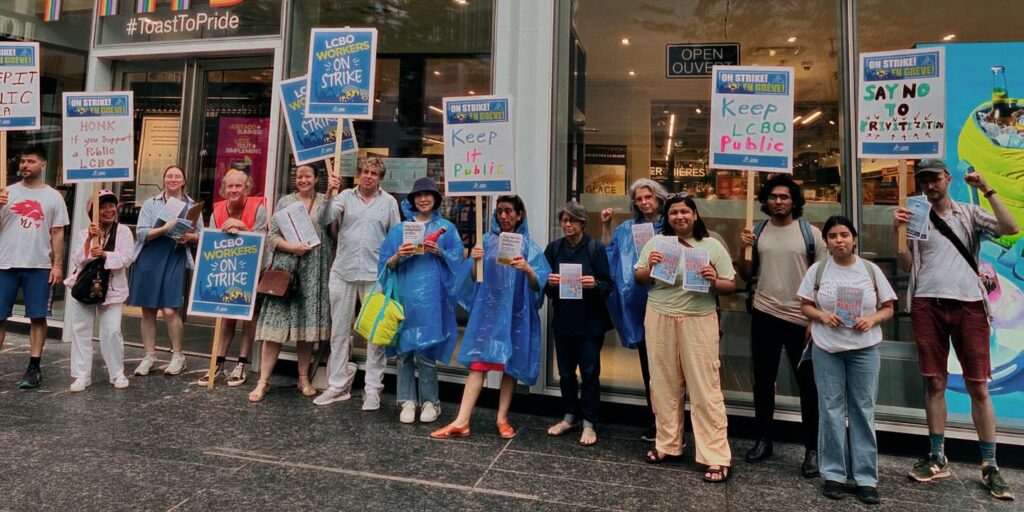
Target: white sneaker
(372, 403)
(120, 382)
(408, 414)
(331, 395)
(176, 366)
(80, 384)
(429, 412)
(145, 365)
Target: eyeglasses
(779, 197)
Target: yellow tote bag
(381, 316)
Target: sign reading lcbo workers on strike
(752, 118)
(342, 64)
(312, 138)
(902, 104)
(19, 86)
(697, 60)
(479, 146)
(98, 137)
(225, 275)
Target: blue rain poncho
(629, 300)
(425, 286)
(504, 326)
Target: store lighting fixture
(810, 119)
(432, 141)
(632, 73)
(792, 39)
(698, 110)
(668, 147)
(949, 37)
(435, 109)
(471, 93)
(808, 146)
(437, 73)
(671, 126)
(831, 122)
(461, 2)
(625, 41)
(797, 118)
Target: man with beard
(32, 220)
(784, 247)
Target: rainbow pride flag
(145, 6)
(180, 5)
(51, 10)
(108, 7)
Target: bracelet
(991, 192)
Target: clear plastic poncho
(504, 324)
(425, 287)
(628, 303)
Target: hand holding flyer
(849, 301)
(570, 284)
(413, 234)
(917, 226)
(642, 233)
(695, 259)
(181, 226)
(510, 245)
(671, 253)
(172, 209)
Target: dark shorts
(35, 284)
(937, 323)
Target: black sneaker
(809, 468)
(868, 495)
(32, 378)
(995, 484)
(650, 435)
(930, 468)
(833, 490)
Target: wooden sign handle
(336, 167)
(479, 236)
(749, 222)
(213, 352)
(902, 233)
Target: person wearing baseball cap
(947, 302)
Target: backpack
(808, 235)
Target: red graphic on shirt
(31, 213)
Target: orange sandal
(506, 431)
(450, 430)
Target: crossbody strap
(948, 233)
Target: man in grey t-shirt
(32, 220)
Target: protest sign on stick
(19, 94)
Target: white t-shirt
(841, 339)
(25, 224)
(945, 273)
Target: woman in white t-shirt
(846, 299)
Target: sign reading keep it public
(342, 63)
(19, 86)
(225, 275)
(98, 137)
(752, 118)
(479, 146)
(901, 104)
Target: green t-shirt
(674, 300)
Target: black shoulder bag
(94, 278)
(988, 282)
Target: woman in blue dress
(158, 277)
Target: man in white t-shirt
(32, 220)
(784, 246)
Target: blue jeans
(407, 379)
(847, 388)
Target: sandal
(258, 394)
(506, 431)
(305, 387)
(656, 457)
(561, 428)
(450, 430)
(722, 473)
(588, 437)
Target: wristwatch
(990, 193)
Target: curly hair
(782, 180)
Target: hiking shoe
(408, 414)
(145, 365)
(930, 468)
(331, 395)
(120, 382)
(237, 377)
(176, 366)
(429, 412)
(833, 490)
(205, 379)
(995, 484)
(371, 402)
(868, 495)
(32, 378)
(79, 385)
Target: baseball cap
(930, 166)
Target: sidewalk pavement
(166, 444)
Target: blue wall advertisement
(991, 141)
(341, 72)
(225, 275)
(312, 138)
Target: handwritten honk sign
(19, 86)
(342, 63)
(752, 118)
(902, 104)
(479, 146)
(98, 137)
(225, 275)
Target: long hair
(782, 180)
(700, 231)
(656, 188)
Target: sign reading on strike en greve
(312, 138)
(479, 146)
(19, 86)
(342, 63)
(225, 275)
(752, 118)
(902, 104)
(98, 137)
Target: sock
(33, 362)
(220, 360)
(938, 442)
(988, 453)
(243, 360)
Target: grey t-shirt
(783, 263)
(25, 226)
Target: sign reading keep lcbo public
(98, 137)
(902, 104)
(312, 138)
(479, 146)
(342, 64)
(225, 275)
(752, 118)
(19, 86)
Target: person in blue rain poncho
(629, 300)
(503, 333)
(425, 286)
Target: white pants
(343, 305)
(83, 317)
